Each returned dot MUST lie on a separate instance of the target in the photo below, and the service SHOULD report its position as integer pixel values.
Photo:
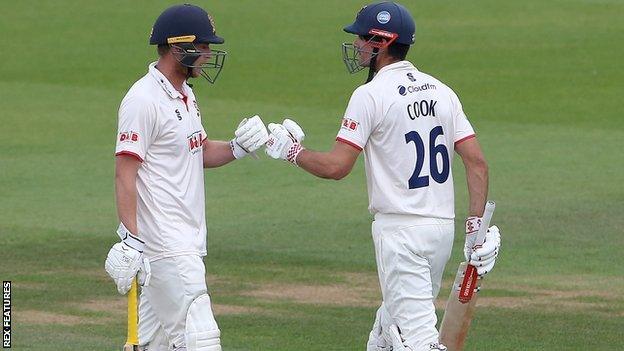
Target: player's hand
(125, 261)
(250, 135)
(294, 129)
(484, 257)
(473, 224)
(283, 144)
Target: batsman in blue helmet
(188, 31)
(161, 152)
(408, 124)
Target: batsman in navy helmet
(382, 26)
(409, 125)
(187, 31)
(161, 152)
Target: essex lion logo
(212, 23)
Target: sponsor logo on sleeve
(128, 137)
(349, 124)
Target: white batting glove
(250, 135)
(125, 261)
(484, 257)
(294, 129)
(282, 143)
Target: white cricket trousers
(411, 252)
(175, 283)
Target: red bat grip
(468, 285)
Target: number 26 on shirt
(438, 175)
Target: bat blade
(462, 300)
(457, 315)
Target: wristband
(293, 152)
(237, 150)
(130, 239)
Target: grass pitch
(290, 261)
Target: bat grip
(132, 337)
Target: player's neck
(173, 74)
(384, 60)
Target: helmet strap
(371, 66)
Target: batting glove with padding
(285, 142)
(250, 135)
(294, 129)
(484, 257)
(125, 261)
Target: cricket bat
(132, 340)
(462, 300)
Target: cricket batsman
(408, 124)
(162, 149)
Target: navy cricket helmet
(384, 16)
(183, 26)
(382, 24)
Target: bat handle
(469, 282)
(485, 222)
(132, 337)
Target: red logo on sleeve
(128, 137)
(349, 124)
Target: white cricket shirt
(408, 124)
(162, 128)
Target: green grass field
(291, 263)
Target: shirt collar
(166, 84)
(401, 65)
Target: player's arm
(285, 140)
(126, 169)
(285, 143)
(137, 129)
(125, 259)
(335, 164)
(217, 153)
(250, 135)
(484, 257)
(476, 174)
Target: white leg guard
(202, 332)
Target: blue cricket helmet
(184, 24)
(384, 16)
